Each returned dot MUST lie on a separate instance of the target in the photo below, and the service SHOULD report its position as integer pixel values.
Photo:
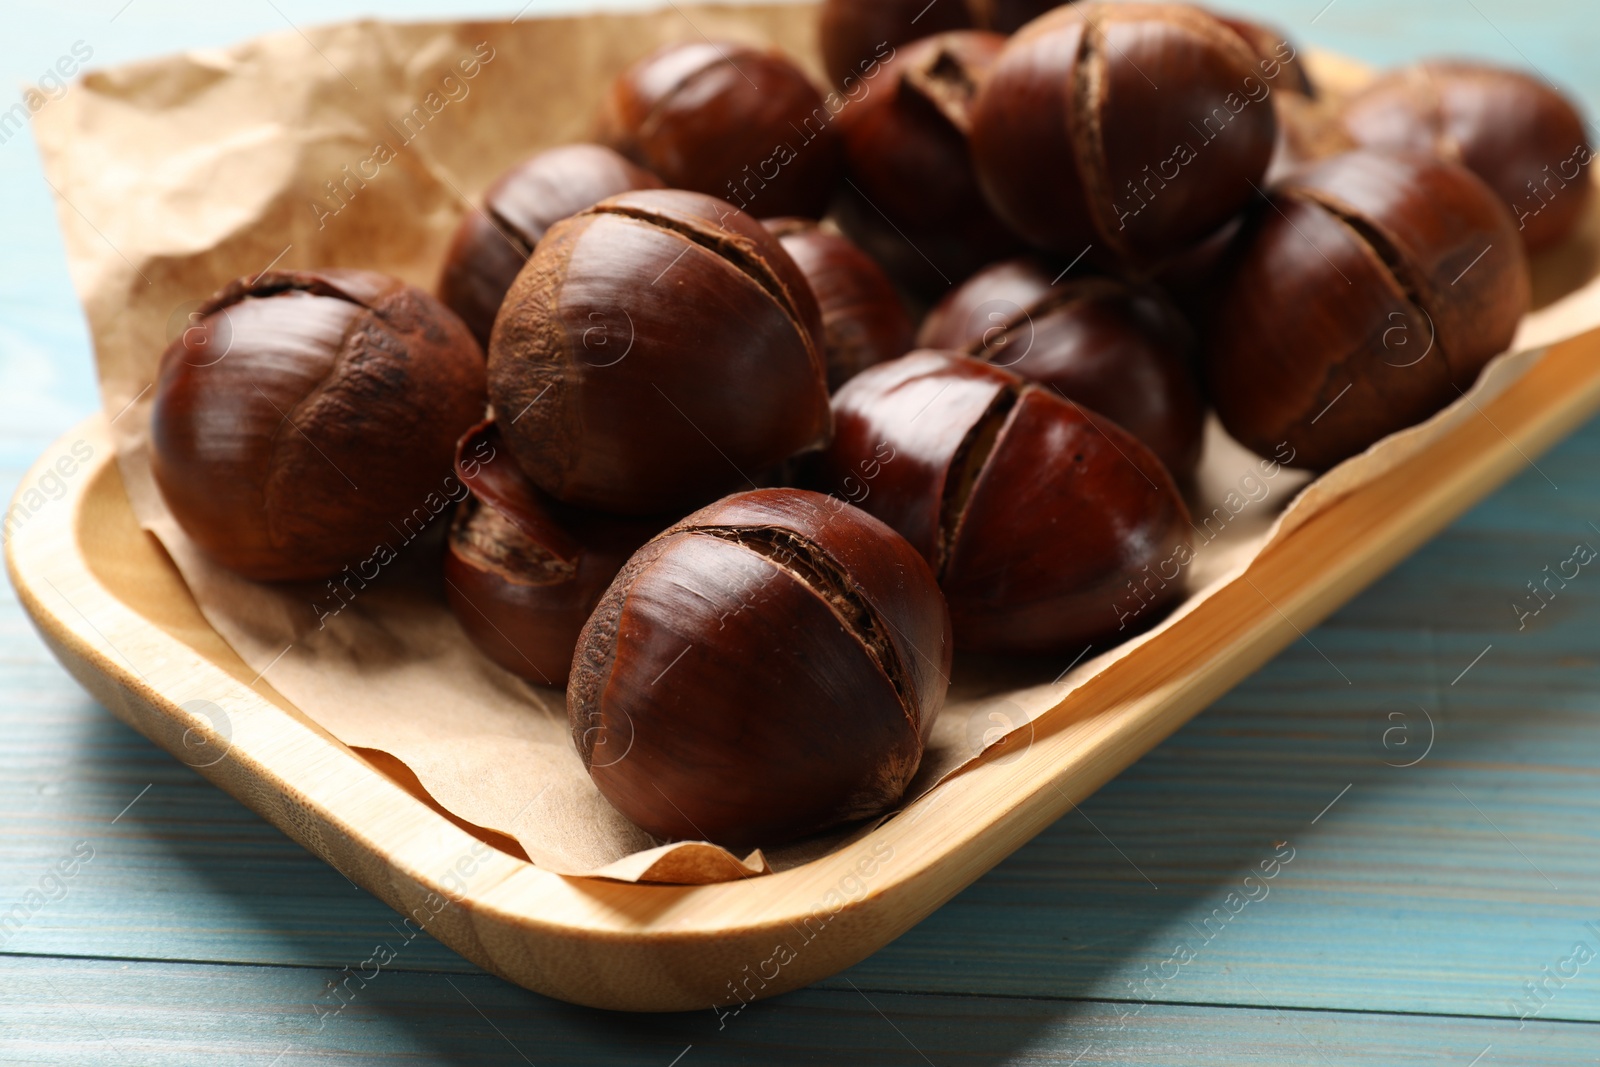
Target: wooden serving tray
(113, 609)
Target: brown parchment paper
(362, 145)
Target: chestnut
(863, 319)
(656, 351)
(729, 120)
(1522, 137)
(308, 416)
(1125, 131)
(913, 199)
(1276, 56)
(522, 572)
(1370, 290)
(1120, 350)
(490, 246)
(767, 668)
(857, 35)
(1307, 129)
(1049, 527)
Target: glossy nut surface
(914, 202)
(657, 351)
(1049, 528)
(1127, 129)
(736, 122)
(1121, 351)
(1523, 138)
(491, 245)
(766, 669)
(864, 321)
(522, 572)
(1277, 59)
(1370, 291)
(858, 35)
(1307, 121)
(308, 416)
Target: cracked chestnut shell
(657, 350)
(1370, 291)
(1117, 349)
(913, 200)
(767, 668)
(864, 321)
(1129, 130)
(490, 246)
(522, 572)
(857, 35)
(730, 120)
(308, 415)
(1049, 527)
(1522, 137)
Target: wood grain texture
(87, 1013)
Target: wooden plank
(90, 1012)
(184, 873)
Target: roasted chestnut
(1522, 137)
(857, 35)
(309, 416)
(768, 668)
(490, 246)
(658, 350)
(1120, 350)
(1371, 290)
(913, 199)
(1049, 527)
(863, 319)
(740, 123)
(1307, 126)
(1124, 131)
(1308, 130)
(1276, 57)
(523, 572)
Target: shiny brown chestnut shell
(1050, 528)
(767, 668)
(308, 416)
(522, 572)
(733, 121)
(864, 321)
(1126, 131)
(1277, 59)
(658, 350)
(858, 35)
(1307, 121)
(1120, 350)
(1370, 291)
(1522, 137)
(491, 245)
(913, 199)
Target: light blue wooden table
(1426, 910)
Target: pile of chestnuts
(741, 420)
